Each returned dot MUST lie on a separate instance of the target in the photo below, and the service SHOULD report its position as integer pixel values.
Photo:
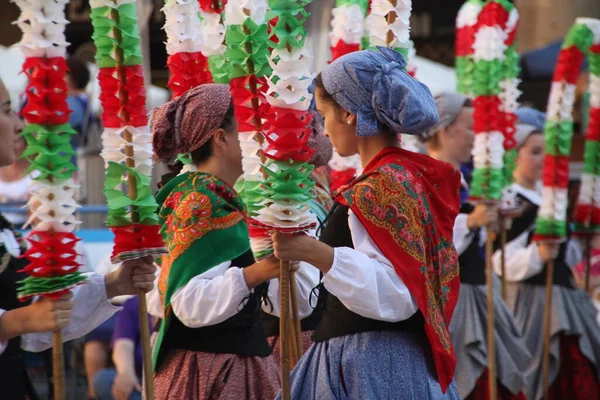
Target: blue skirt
(371, 365)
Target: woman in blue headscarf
(390, 269)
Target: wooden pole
(284, 329)
(491, 345)
(135, 218)
(58, 366)
(547, 328)
(296, 328)
(503, 259)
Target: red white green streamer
(287, 184)
(466, 26)
(247, 53)
(585, 40)
(126, 138)
(53, 267)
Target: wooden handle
(295, 320)
(547, 328)
(58, 366)
(146, 348)
(284, 329)
(503, 260)
(491, 341)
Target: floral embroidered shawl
(407, 202)
(203, 225)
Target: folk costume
(211, 342)
(394, 280)
(90, 309)
(469, 324)
(575, 335)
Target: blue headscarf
(531, 116)
(374, 86)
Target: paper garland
(247, 54)
(586, 40)
(466, 26)
(127, 151)
(53, 266)
(582, 38)
(287, 185)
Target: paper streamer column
(466, 26)
(582, 39)
(248, 56)
(53, 266)
(127, 146)
(213, 34)
(587, 210)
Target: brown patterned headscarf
(188, 122)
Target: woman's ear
(348, 117)
(219, 140)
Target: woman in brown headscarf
(211, 343)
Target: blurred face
(10, 127)
(458, 138)
(20, 146)
(530, 158)
(340, 125)
(226, 146)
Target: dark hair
(319, 84)
(204, 152)
(79, 72)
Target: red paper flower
(123, 96)
(491, 14)
(51, 254)
(593, 128)
(568, 65)
(342, 48)
(486, 115)
(187, 70)
(583, 214)
(212, 6)
(465, 37)
(556, 171)
(136, 237)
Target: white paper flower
(596, 192)
(495, 148)
(236, 11)
(489, 43)
(513, 20)
(593, 24)
(509, 95)
(286, 215)
(480, 149)
(586, 190)
(339, 163)
(213, 33)
(467, 15)
(347, 24)
(183, 27)
(594, 89)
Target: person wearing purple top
(124, 381)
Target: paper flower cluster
(551, 222)
(347, 27)
(127, 142)
(247, 53)
(466, 26)
(287, 185)
(53, 266)
(587, 209)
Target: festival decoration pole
(287, 184)
(127, 146)
(489, 55)
(53, 266)
(466, 26)
(582, 39)
(587, 209)
(347, 34)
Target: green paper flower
(510, 158)
(290, 182)
(511, 62)
(289, 29)
(581, 36)
(219, 69)
(591, 157)
(550, 227)
(558, 138)
(105, 41)
(363, 4)
(464, 73)
(33, 286)
(278, 5)
(594, 63)
(487, 76)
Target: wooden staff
(296, 328)
(491, 344)
(503, 258)
(135, 217)
(547, 328)
(284, 329)
(58, 365)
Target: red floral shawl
(407, 202)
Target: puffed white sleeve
(153, 298)
(90, 309)
(3, 344)
(522, 259)
(307, 278)
(574, 254)
(365, 281)
(211, 297)
(462, 235)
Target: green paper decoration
(34, 286)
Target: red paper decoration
(51, 254)
(134, 237)
(188, 70)
(124, 104)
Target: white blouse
(522, 258)
(363, 279)
(90, 309)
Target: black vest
(472, 261)
(14, 380)
(241, 334)
(562, 272)
(308, 324)
(337, 319)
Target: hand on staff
(131, 277)
(46, 315)
(261, 271)
(483, 215)
(124, 385)
(548, 251)
(301, 247)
